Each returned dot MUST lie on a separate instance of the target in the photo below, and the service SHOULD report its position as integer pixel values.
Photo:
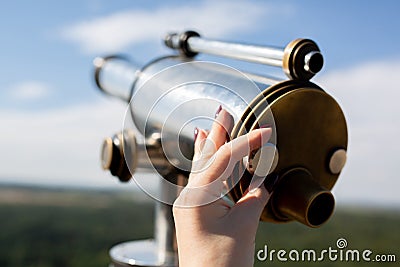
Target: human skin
(209, 230)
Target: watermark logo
(341, 243)
(340, 253)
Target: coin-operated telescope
(172, 95)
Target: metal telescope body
(172, 95)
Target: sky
(53, 118)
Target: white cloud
(58, 147)
(216, 18)
(29, 90)
(369, 95)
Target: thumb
(251, 205)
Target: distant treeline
(77, 228)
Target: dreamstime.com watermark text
(338, 253)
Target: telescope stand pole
(162, 251)
(164, 228)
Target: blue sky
(34, 47)
(53, 118)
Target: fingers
(199, 141)
(224, 161)
(221, 127)
(242, 145)
(214, 160)
(230, 153)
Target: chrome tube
(300, 59)
(115, 75)
(253, 53)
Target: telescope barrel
(171, 96)
(300, 59)
(115, 76)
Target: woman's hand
(210, 231)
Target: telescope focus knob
(112, 157)
(106, 153)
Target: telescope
(170, 96)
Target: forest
(76, 227)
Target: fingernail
(271, 182)
(196, 132)
(218, 111)
(265, 126)
(254, 190)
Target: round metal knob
(106, 153)
(112, 157)
(337, 161)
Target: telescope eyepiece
(297, 196)
(320, 209)
(313, 62)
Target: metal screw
(337, 161)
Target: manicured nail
(218, 111)
(265, 126)
(196, 132)
(253, 191)
(271, 182)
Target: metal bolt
(337, 161)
